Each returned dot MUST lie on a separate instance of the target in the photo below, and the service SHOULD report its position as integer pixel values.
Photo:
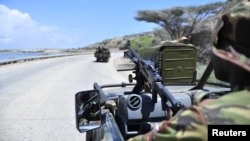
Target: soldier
(98, 49)
(231, 63)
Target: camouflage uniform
(231, 44)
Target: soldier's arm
(188, 124)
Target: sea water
(5, 56)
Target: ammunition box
(176, 63)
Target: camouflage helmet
(232, 36)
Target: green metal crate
(177, 63)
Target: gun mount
(148, 79)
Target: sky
(65, 24)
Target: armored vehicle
(102, 54)
(116, 112)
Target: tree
(142, 42)
(160, 34)
(179, 21)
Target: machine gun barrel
(145, 72)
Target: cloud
(19, 30)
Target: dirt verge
(123, 63)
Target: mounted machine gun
(117, 112)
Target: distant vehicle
(102, 54)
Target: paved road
(37, 97)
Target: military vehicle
(102, 54)
(116, 112)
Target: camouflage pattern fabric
(231, 43)
(231, 36)
(191, 123)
